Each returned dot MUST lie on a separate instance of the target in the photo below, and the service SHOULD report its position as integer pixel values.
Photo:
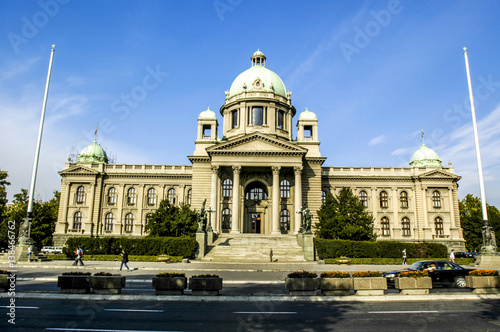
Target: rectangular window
(207, 130)
(308, 133)
(281, 120)
(257, 116)
(234, 120)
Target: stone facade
(257, 177)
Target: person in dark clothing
(124, 260)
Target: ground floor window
(226, 219)
(285, 220)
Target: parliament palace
(257, 177)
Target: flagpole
(39, 142)
(476, 140)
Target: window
(207, 131)
(131, 196)
(257, 116)
(129, 222)
(308, 133)
(226, 219)
(285, 188)
(77, 220)
(80, 195)
(323, 196)
(112, 196)
(108, 222)
(189, 197)
(256, 191)
(384, 200)
(227, 188)
(171, 196)
(384, 224)
(436, 199)
(285, 220)
(281, 120)
(438, 223)
(234, 119)
(405, 226)
(403, 199)
(363, 197)
(151, 196)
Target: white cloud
(377, 140)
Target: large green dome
(258, 78)
(93, 154)
(425, 157)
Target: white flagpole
(476, 140)
(40, 131)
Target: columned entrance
(255, 220)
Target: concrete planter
(413, 286)
(484, 284)
(301, 286)
(335, 286)
(369, 285)
(6, 282)
(74, 284)
(205, 286)
(107, 284)
(169, 286)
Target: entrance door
(255, 218)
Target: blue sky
(374, 72)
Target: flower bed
(74, 282)
(336, 283)
(369, 283)
(169, 283)
(301, 283)
(413, 283)
(205, 284)
(107, 283)
(483, 281)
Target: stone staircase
(254, 248)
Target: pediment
(438, 174)
(256, 143)
(78, 170)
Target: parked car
(47, 250)
(57, 250)
(475, 254)
(463, 254)
(442, 273)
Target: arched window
(256, 191)
(405, 226)
(108, 222)
(323, 196)
(151, 196)
(285, 188)
(129, 222)
(285, 220)
(384, 200)
(227, 188)
(363, 197)
(438, 224)
(131, 196)
(171, 196)
(80, 195)
(385, 226)
(148, 217)
(112, 196)
(226, 219)
(436, 199)
(189, 197)
(77, 220)
(403, 199)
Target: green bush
(151, 246)
(170, 275)
(302, 274)
(76, 273)
(205, 276)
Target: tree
(3, 192)
(169, 220)
(471, 218)
(344, 217)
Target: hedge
(377, 249)
(150, 246)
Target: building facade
(257, 177)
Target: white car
(47, 250)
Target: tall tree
(3, 192)
(344, 217)
(169, 220)
(471, 218)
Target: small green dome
(258, 78)
(93, 154)
(425, 157)
(207, 115)
(306, 115)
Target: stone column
(235, 224)
(276, 200)
(424, 203)
(298, 198)
(452, 210)
(213, 196)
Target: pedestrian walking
(30, 250)
(452, 256)
(271, 255)
(124, 260)
(404, 256)
(79, 256)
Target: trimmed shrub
(335, 274)
(366, 274)
(302, 274)
(483, 272)
(414, 274)
(170, 275)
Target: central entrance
(255, 219)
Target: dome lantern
(258, 59)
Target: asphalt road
(78, 315)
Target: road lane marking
(266, 313)
(20, 307)
(133, 310)
(405, 312)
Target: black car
(442, 273)
(463, 254)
